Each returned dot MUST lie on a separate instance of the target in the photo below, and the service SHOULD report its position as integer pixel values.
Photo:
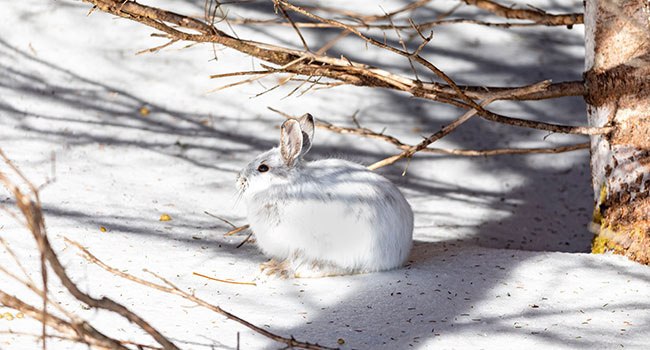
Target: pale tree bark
(617, 64)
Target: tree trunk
(617, 64)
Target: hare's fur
(326, 217)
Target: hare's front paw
(274, 270)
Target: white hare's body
(358, 221)
(325, 217)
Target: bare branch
(238, 229)
(171, 289)
(32, 212)
(81, 331)
(469, 103)
(458, 152)
(423, 25)
(503, 151)
(537, 15)
(224, 281)
(429, 140)
(245, 240)
(157, 48)
(323, 65)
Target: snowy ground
(500, 259)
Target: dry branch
(410, 148)
(103, 303)
(503, 151)
(172, 289)
(81, 332)
(469, 104)
(224, 281)
(458, 152)
(408, 153)
(288, 18)
(342, 69)
(31, 210)
(349, 72)
(422, 25)
(536, 15)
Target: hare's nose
(241, 183)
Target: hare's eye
(263, 168)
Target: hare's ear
(291, 138)
(307, 127)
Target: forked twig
(361, 131)
(408, 153)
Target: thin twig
(288, 18)
(157, 48)
(426, 142)
(232, 74)
(369, 18)
(76, 340)
(245, 240)
(286, 66)
(30, 284)
(16, 260)
(401, 41)
(221, 219)
(503, 151)
(238, 229)
(224, 281)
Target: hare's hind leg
(315, 269)
(269, 264)
(273, 269)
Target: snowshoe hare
(322, 218)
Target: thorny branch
(409, 150)
(536, 15)
(468, 103)
(344, 70)
(319, 65)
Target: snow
(500, 259)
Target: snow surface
(500, 258)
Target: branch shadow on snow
(438, 295)
(552, 209)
